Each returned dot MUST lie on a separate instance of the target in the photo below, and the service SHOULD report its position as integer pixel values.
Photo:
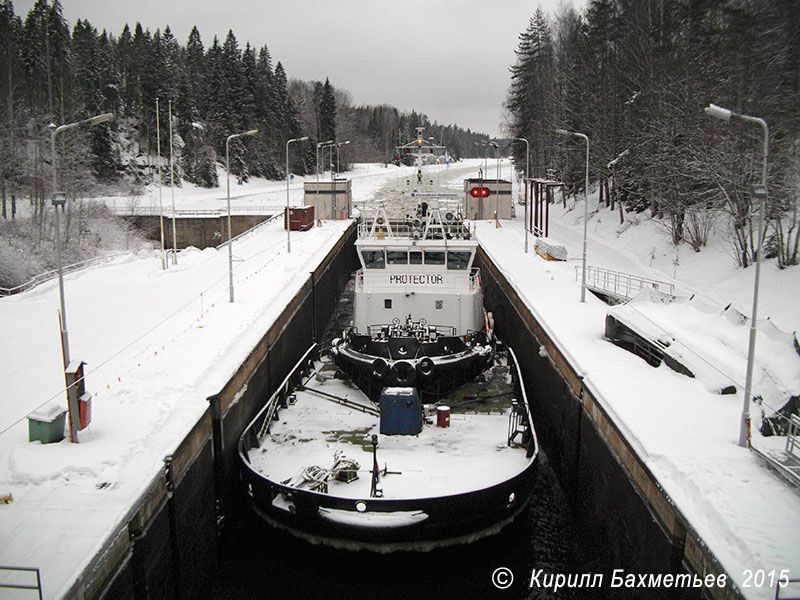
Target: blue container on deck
(401, 411)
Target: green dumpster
(46, 424)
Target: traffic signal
(479, 192)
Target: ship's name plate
(417, 279)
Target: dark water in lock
(259, 562)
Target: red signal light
(479, 192)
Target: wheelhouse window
(458, 260)
(396, 257)
(373, 259)
(433, 257)
(415, 257)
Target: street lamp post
(164, 261)
(585, 207)
(59, 200)
(761, 193)
(334, 184)
(527, 177)
(320, 145)
(228, 184)
(316, 194)
(172, 191)
(330, 147)
(339, 145)
(288, 224)
(497, 183)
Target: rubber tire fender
(402, 374)
(380, 368)
(425, 368)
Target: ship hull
(389, 525)
(442, 486)
(435, 369)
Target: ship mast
(419, 148)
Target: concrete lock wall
(166, 547)
(199, 232)
(627, 521)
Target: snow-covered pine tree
(327, 113)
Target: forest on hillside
(53, 73)
(191, 96)
(634, 76)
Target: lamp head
(718, 112)
(100, 119)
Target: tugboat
(418, 308)
(417, 389)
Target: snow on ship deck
(471, 454)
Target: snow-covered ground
(158, 342)
(683, 429)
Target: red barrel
(443, 416)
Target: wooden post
(547, 211)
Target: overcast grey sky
(446, 58)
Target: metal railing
(790, 585)
(154, 211)
(48, 275)
(622, 285)
(377, 329)
(22, 586)
(280, 398)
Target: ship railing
(440, 330)
(407, 230)
(520, 420)
(281, 398)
